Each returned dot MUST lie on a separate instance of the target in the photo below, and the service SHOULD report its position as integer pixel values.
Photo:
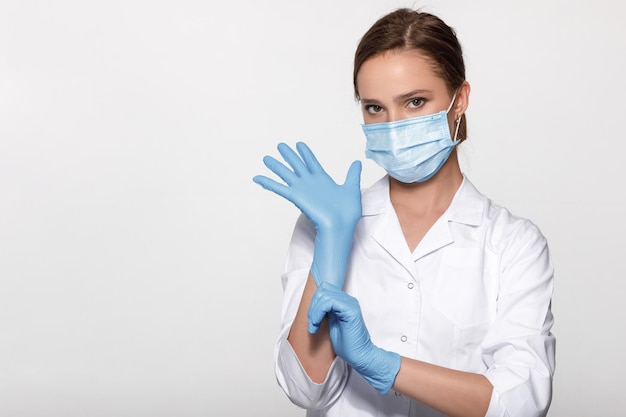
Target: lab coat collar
(466, 208)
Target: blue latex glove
(333, 209)
(350, 338)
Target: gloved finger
(317, 310)
(293, 159)
(354, 174)
(344, 306)
(271, 185)
(326, 299)
(309, 158)
(315, 315)
(279, 169)
(312, 328)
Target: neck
(434, 195)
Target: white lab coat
(474, 296)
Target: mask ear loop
(458, 124)
(451, 103)
(458, 121)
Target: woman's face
(397, 85)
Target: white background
(139, 263)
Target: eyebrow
(398, 98)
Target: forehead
(396, 72)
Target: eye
(373, 108)
(416, 103)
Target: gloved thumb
(354, 174)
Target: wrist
(382, 369)
(335, 234)
(331, 256)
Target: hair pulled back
(406, 29)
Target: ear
(462, 100)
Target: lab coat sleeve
(519, 348)
(290, 374)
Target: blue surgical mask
(411, 150)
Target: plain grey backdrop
(140, 265)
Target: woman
(419, 296)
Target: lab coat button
(403, 338)
(410, 285)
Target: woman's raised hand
(333, 209)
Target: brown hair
(406, 29)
